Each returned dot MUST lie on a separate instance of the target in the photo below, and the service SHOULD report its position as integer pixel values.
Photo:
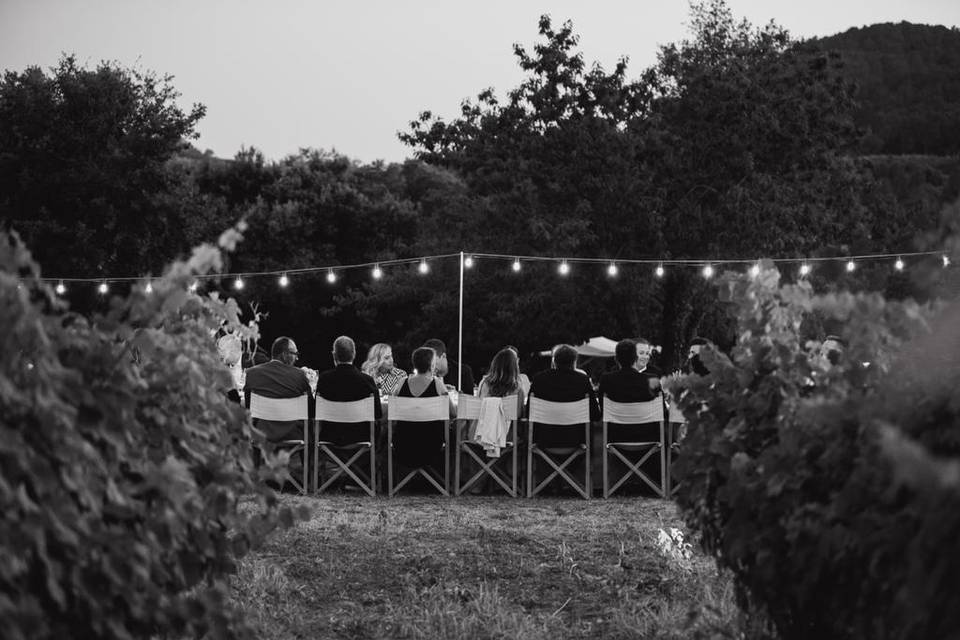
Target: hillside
(909, 85)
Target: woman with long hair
(379, 366)
(503, 377)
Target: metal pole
(460, 334)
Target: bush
(121, 461)
(815, 485)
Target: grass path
(479, 567)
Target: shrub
(809, 482)
(121, 461)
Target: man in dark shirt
(278, 378)
(447, 368)
(629, 385)
(345, 383)
(563, 383)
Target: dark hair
(564, 357)
(837, 339)
(698, 340)
(504, 375)
(422, 359)
(626, 353)
(280, 346)
(437, 345)
(344, 350)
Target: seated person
(420, 444)
(345, 383)
(278, 378)
(563, 383)
(447, 368)
(626, 385)
(379, 366)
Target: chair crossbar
(488, 467)
(344, 467)
(560, 470)
(633, 469)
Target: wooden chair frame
(468, 408)
(357, 412)
(285, 409)
(545, 412)
(434, 409)
(634, 413)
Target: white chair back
(547, 412)
(354, 411)
(468, 407)
(632, 412)
(418, 409)
(280, 409)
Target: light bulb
(377, 272)
(103, 288)
(424, 267)
(238, 283)
(61, 289)
(516, 265)
(851, 265)
(612, 269)
(468, 262)
(898, 265)
(755, 270)
(804, 269)
(708, 271)
(331, 276)
(193, 286)
(946, 261)
(564, 268)
(149, 288)
(284, 280)
(659, 271)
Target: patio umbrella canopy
(598, 347)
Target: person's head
(379, 359)
(344, 350)
(696, 345)
(424, 360)
(564, 357)
(504, 375)
(644, 352)
(440, 349)
(284, 349)
(626, 353)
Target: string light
(331, 276)
(708, 271)
(60, 288)
(283, 281)
(804, 269)
(612, 270)
(468, 262)
(564, 268)
(946, 261)
(377, 272)
(424, 267)
(193, 285)
(238, 284)
(516, 265)
(755, 269)
(851, 265)
(659, 270)
(103, 288)
(898, 265)
(149, 288)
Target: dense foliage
(121, 461)
(909, 85)
(826, 489)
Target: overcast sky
(287, 74)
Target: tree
(82, 161)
